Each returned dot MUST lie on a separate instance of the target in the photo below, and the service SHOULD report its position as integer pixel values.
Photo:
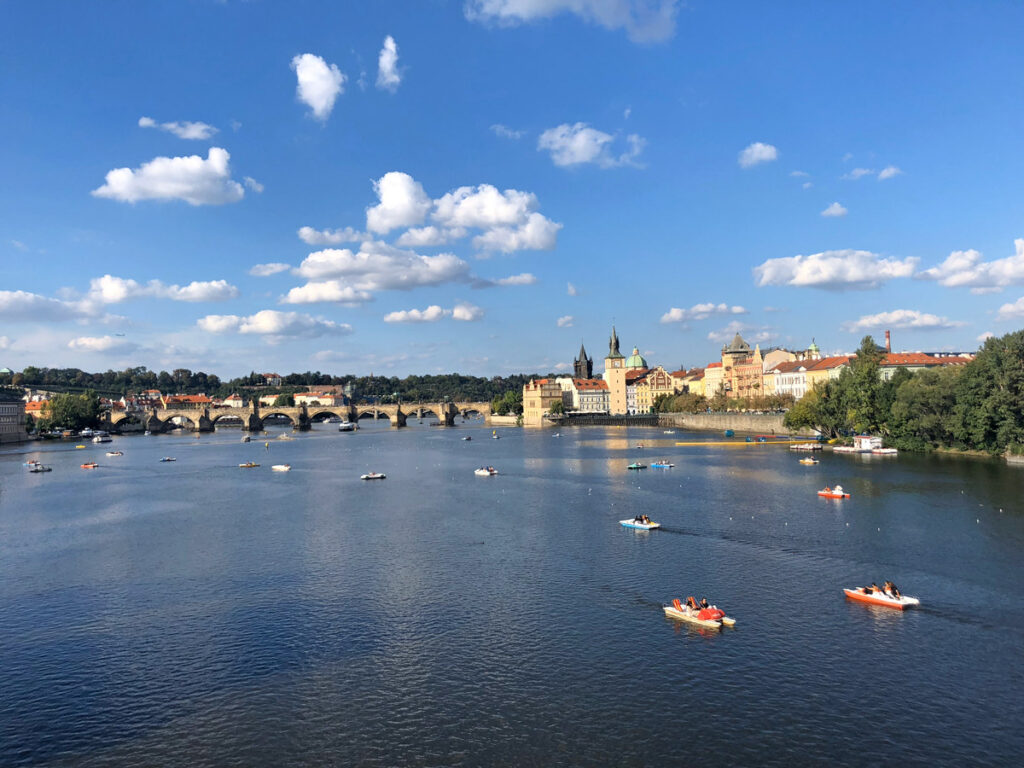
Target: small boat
(868, 595)
(808, 460)
(347, 426)
(115, 453)
(79, 446)
(285, 437)
(663, 464)
(485, 471)
(634, 523)
(90, 465)
(495, 435)
(557, 434)
(246, 439)
(639, 445)
(845, 449)
(32, 463)
(40, 468)
(147, 432)
(637, 465)
(884, 451)
(373, 476)
(729, 433)
(712, 618)
(102, 439)
(805, 447)
(168, 458)
(281, 467)
(467, 438)
(834, 493)
(669, 432)
(248, 465)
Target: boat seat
(677, 605)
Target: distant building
(234, 401)
(538, 397)
(584, 395)
(583, 366)
(743, 369)
(271, 379)
(615, 376)
(12, 419)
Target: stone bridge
(204, 419)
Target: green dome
(636, 360)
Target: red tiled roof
(788, 366)
(920, 358)
(590, 383)
(712, 365)
(827, 363)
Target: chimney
(888, 343)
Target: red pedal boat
(874, 597)
(834, 493)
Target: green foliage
(285, 400)
(557, 408)
(511, 402)
(71, 412)
(989, 410)
(921, 416)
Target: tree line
(978, 406)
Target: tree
(863, 386)
(285, 400)
(71, 412)
(989, 410)
(922, 413)
(557, 408)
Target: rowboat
(712, 618)
(79, 446)
(373, 476)
(281, 467)
(467, 438)
(634, 523)
(868, 595)
(834, 493)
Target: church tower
(583, 366)
(615, 376)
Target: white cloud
(579, 144)
(330, 236)
(419, 237)
(537, 233)
(700, 312)
(799, 174)
(431, 314)
(889, 172)
(565, 321)
(22, 305)
(858, 173)
(834, 211)
(467, 312)
(318, 84)
(192, 179)
(983, 337)
(522, 279)
(642, 21)
(388, 76)
(252, 184)
(834, 270)
(506, 132)
(269, 322)
(1010, 311)
(403, 203)
(571, 289)
(265, 270)
(966, 269)
(509, 218)
(100, 344)
(5, 342)
(901, 318)
(807, 185)
(183, 130)
(378, 266)
(113, 290)
(749, 333)
(757, 153)
(326, 291)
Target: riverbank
(742, 423)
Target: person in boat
(638, 519)
(891, 590)
(874, 588)
(646, 520)
(691, 603)
(704, 603)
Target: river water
(195, 613)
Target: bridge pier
(398, 419)
(304, 423)
(204, 423)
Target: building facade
(615, 376)
(12, 419)
(538, 397)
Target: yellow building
(538, 396)
(615, 376)
(714, 380)
(656, 383)
(743, 369)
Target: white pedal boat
(679, 611)
(866, 595)
(281, 467)
(641, 526)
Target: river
(195, 613)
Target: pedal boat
(373, 476)
(637, 465)
(834, 493)
(662, 465)
(485, 471)
(809, 461)
(866, 595)
(248, 465)
(90, 465)
(281, 467)
(640, 526)
(712, 618)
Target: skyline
(419, 188)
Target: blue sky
(437, 186)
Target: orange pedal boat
(834, 493)
(868, 595)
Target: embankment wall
(741, 423)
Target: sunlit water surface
(195, 613)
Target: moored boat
(806, 447)
(347, 426)
(834, 493)
(884, 451)
(877, 597)
(168, 458)
(639, 524)
(102, 439)
(373, 476)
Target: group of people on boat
(693, 605)
(642, 520)
(888, 588)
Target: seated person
(704, 603)
(691, 603)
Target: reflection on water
(197, 613)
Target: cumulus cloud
(579, 144)
(985, 336)
(265, 270)
(319, 84)
(965, 269)
(834, 211)
(466, 312)
(431, 314)
(312, 236)
(750, 333)
(1011, 311)
(522, 279)
(113, 290)
(23, 305)
(643, 21)
(901, 318)
(100, 344)
(537, 233)
(183, 130)
(388, 76)
(858, 173)
(271, 323)
(378, 266)
(506, 133)
(252, 184)
(192, 179)
(565, 321)
(403, 203)
(889, 172)
(418, 237)
(757, 153)
(835, 270)
(700, 312)
(326, 291)
(509, 218)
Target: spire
(613, 345)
